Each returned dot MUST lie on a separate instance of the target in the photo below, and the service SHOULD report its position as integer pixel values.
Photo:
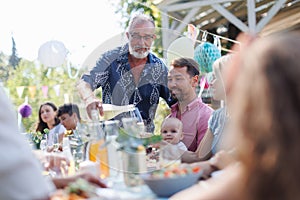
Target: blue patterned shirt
(112, 73)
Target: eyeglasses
(146, 38)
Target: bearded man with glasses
(130, 74)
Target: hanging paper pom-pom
(25, 110)
(205, 54)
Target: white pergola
(206, 14)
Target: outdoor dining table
(123, 192)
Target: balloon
(181, 47)
(206, 54)
(25, 110)
(52, 53)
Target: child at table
(171, 148)
(171, 131)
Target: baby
(171, 131)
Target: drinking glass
(134, 121)
(111, 129)
(53, 142)
(136, 114)
(43, 144)
(169, 155)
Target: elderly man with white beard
(129, 74)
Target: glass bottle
(97, 148)
(68, 155)
(110, 110)
(111, 129)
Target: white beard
(137, 54)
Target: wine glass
(55, 142)
(137, 115)
(43, 144)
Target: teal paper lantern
(206, 54)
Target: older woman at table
(266, 132)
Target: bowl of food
(168, 181)
(79, 189)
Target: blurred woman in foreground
(266, 115)
(264, 97)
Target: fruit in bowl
(168, 181)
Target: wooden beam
(165, 28)
(239, 13)
(174, 19)
(230, 17)
(282, 24)
(164, 3)
(286, 18)
(174, 24)
(188, 5)
(214, 13)
(187, 19)
(271, 13)
(223, 21)
(251, 15)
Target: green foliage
(80, 187)
(132, 143)
(37, 136)
(2, 59)
(14, 59)
(29, 74)
(4, 72)
(46, 131)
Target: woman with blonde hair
(211, 142)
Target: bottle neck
(97, 131)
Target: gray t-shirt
(216, 124)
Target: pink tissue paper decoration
(204, 81)
(45, 91)
(25, 110)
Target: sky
(81, 25)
